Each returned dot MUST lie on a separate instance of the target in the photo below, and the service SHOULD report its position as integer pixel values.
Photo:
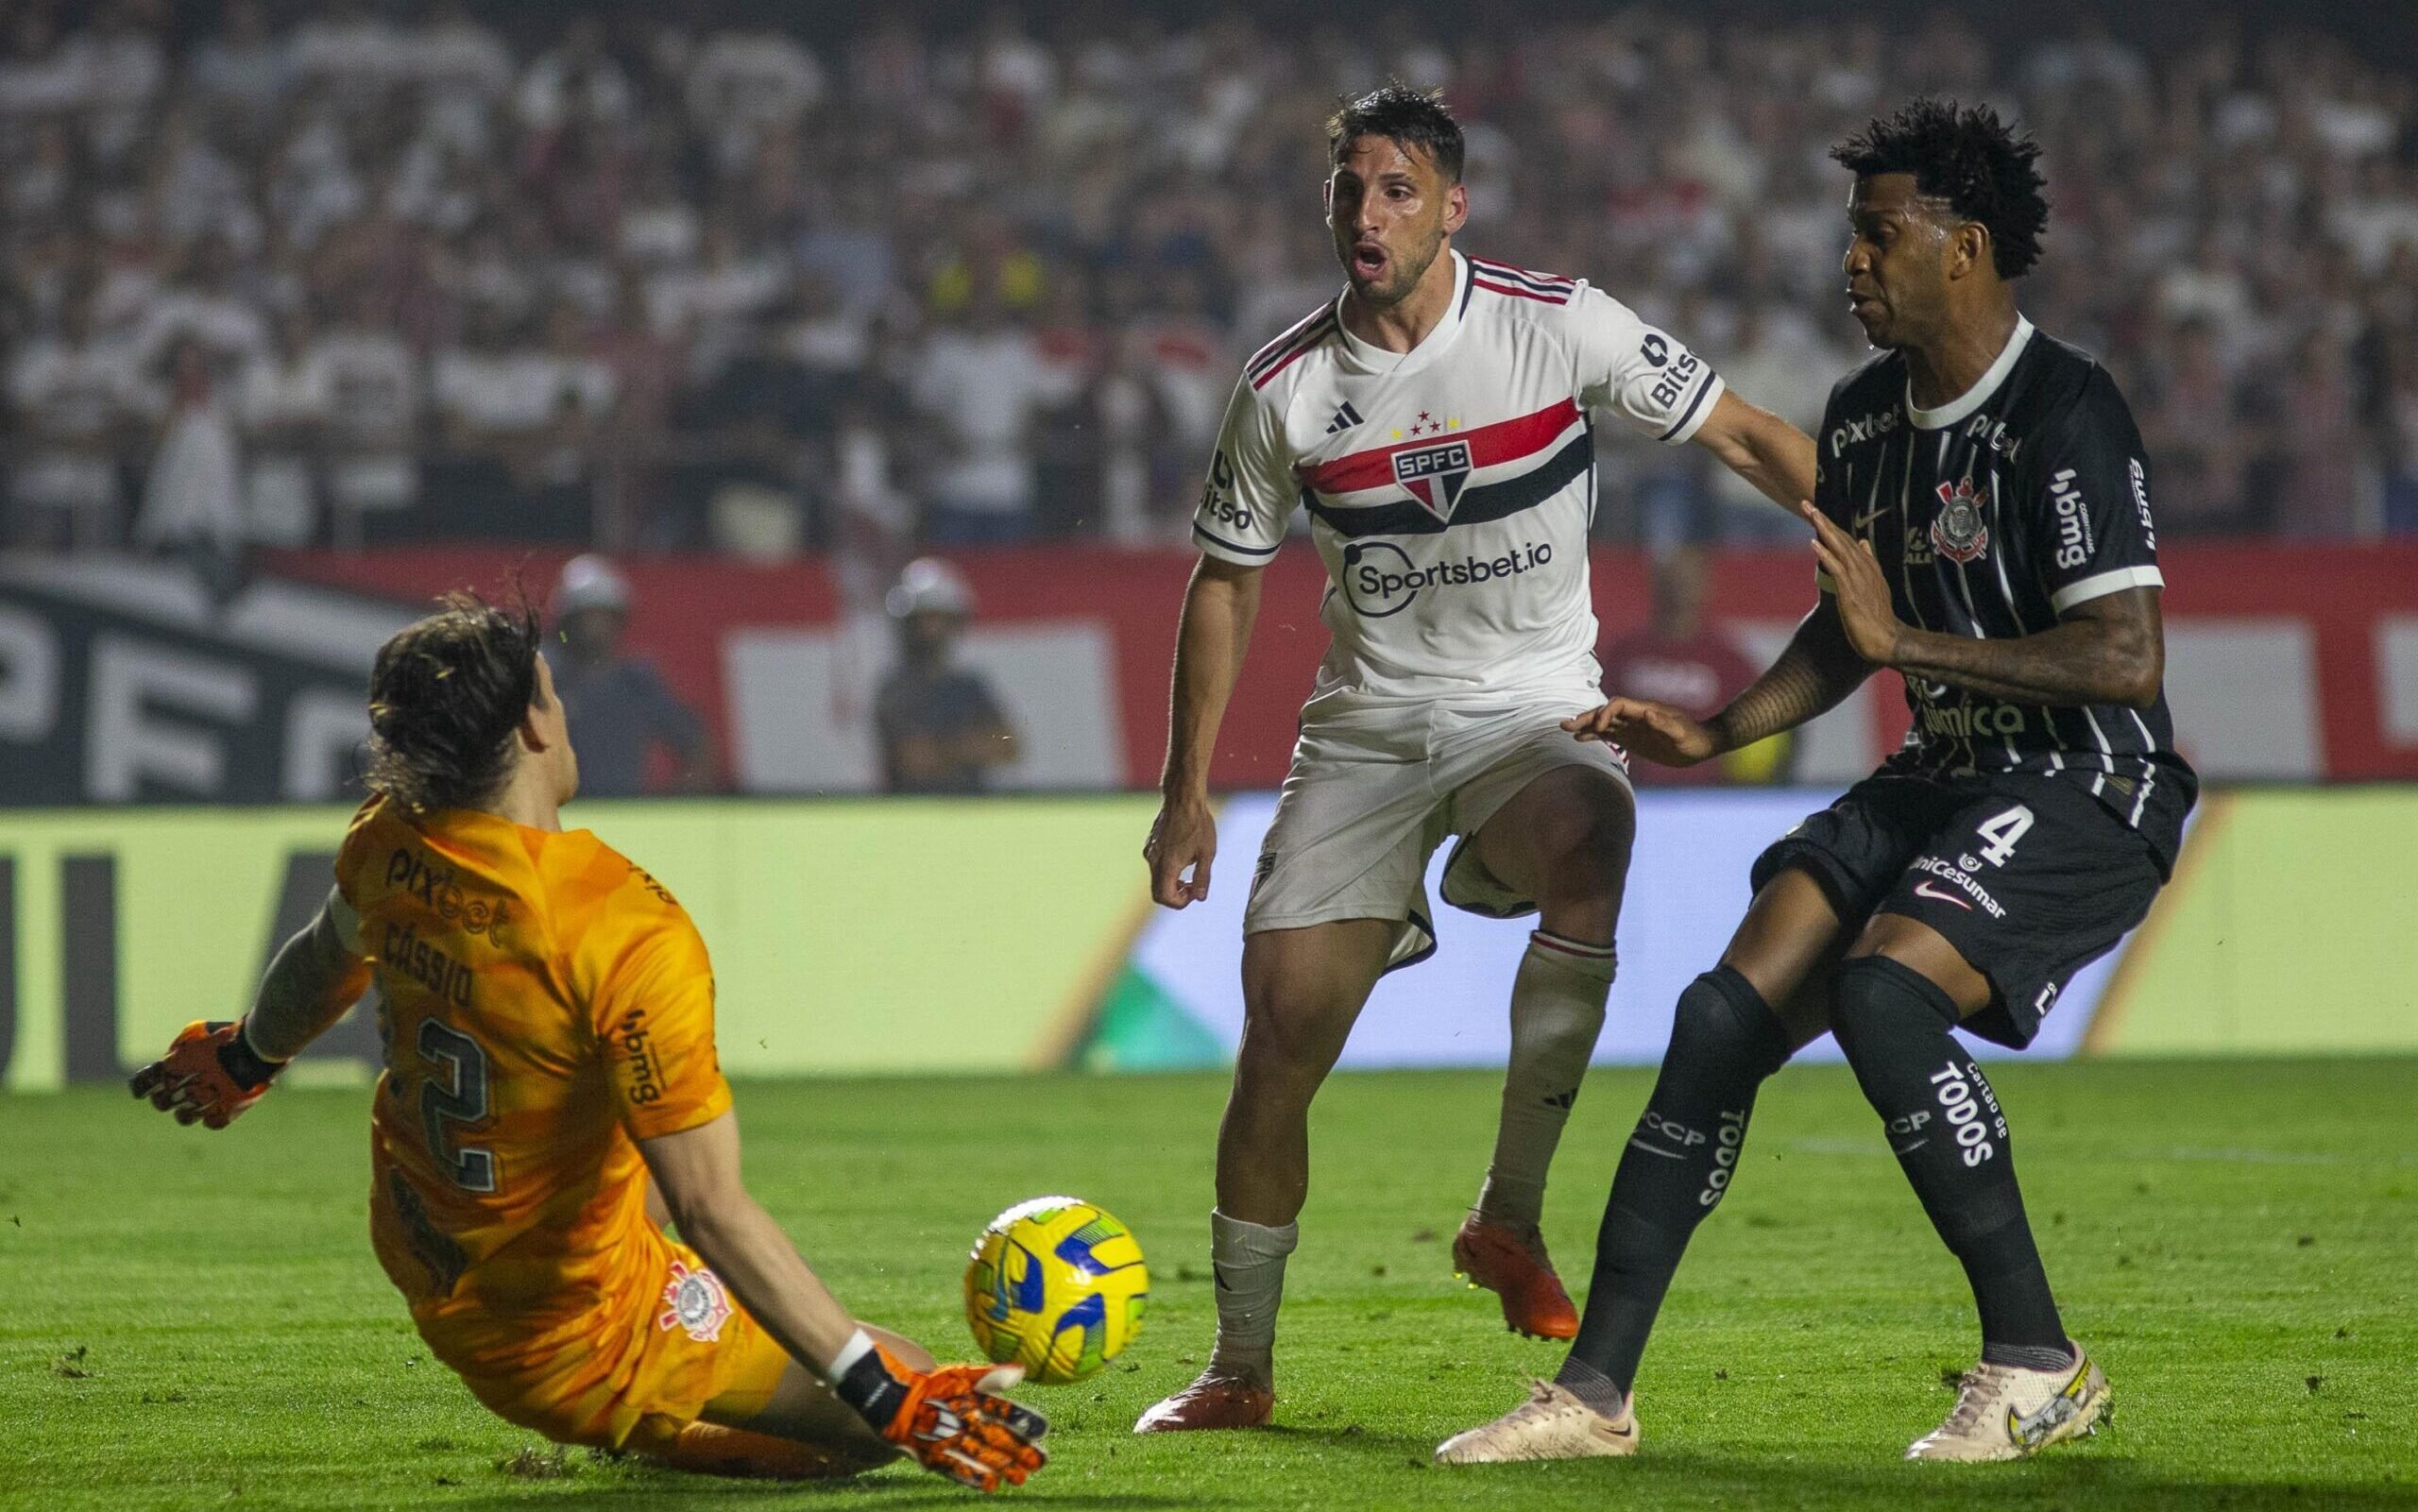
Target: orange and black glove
(951, 1419)
(209, 1073)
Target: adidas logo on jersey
(1345, 418)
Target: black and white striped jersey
(1992, 516)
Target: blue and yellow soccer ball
(1056, 1285)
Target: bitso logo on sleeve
(1435, 475)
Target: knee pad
(1881, 1000)
(1724, 1042)
(1722, 1021)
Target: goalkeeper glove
(209, 1073)
(947, 1420)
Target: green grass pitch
(190, 1320)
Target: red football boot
(1214, 1400)
(1511, 1263)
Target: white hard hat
(590, 583)
(930, 585)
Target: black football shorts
(2029, 876)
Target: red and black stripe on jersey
(2028, 501)
(1502, 444)
(1297, 342)
(1519, 284)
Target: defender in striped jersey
(1983, 526)
(1435, 423)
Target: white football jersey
(1450, 487)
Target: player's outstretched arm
(2106, 650)
(1760, 446)
(1219, 607)
(214, 1070)
(951, 1419)
(1816, 670)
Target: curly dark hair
(1982, 168)
(1406, 117)
(445, 697)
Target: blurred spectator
(282, 404)
(240, 72)
(751, 81)
(576, 82)
(374, 397)
(619, 710)
(2401, 436)
(984, 385)
(2193, 426)
(203, 307)
(940, 729)
(2316, 482)
(192, 498)
(44, 75)
(1128, 433)
(1681, 659)
(70, 395)
(2236, 232)
(341, 44)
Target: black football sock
(1950, 1139)
(1725, 1041)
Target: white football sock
(1557, 1011)
(1248, 1261)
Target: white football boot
(1552, 1425)
(2005, 1412)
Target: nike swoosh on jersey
(1924, 889)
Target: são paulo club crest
(1957, 532)
(694, 1299)
(1435, 475)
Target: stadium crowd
(350, 273)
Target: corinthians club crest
(1435, 475)
(694, 1301)
(1957, 532)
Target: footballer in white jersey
(1450, 489)
(1435, 421)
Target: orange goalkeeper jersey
(544, 1004)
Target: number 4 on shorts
(2000, 833)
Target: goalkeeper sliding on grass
(547, 1010)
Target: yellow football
(1056, 1285)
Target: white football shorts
(1372, 792)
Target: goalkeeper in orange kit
(547, 1010)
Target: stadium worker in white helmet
(619, 707)
(940, 725)
(1437, 420)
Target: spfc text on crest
(1435, 475)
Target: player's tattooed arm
(1760, 446)
(314, 979)
(1816, 671)
(1813, 675)
(2107, 650)
(1220, 609)
(2110, 649)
